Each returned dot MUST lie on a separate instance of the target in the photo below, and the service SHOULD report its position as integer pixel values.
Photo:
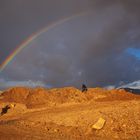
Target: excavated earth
(69, 114)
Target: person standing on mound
(84, 88)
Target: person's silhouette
(5, 109)
(84, 88)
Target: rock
(99, 124)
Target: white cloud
(7, 84)
(134, 85)
(110, 87)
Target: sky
(69, 42)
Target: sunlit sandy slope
(67, 113)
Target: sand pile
(119, 94)
(39, 97)
(67, 113)
(17, 94)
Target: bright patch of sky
(134, 52)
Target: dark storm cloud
(90, 48)
(20, 18)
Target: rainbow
(34, 36)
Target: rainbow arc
(34, 36)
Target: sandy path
(74, 121)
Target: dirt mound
(38, 97)
(119, 94)
(17, 94)
(39, 114)
(68, 94)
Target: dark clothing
(5, 109)
(84, 88)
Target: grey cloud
(89, 48)
(7, 84)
